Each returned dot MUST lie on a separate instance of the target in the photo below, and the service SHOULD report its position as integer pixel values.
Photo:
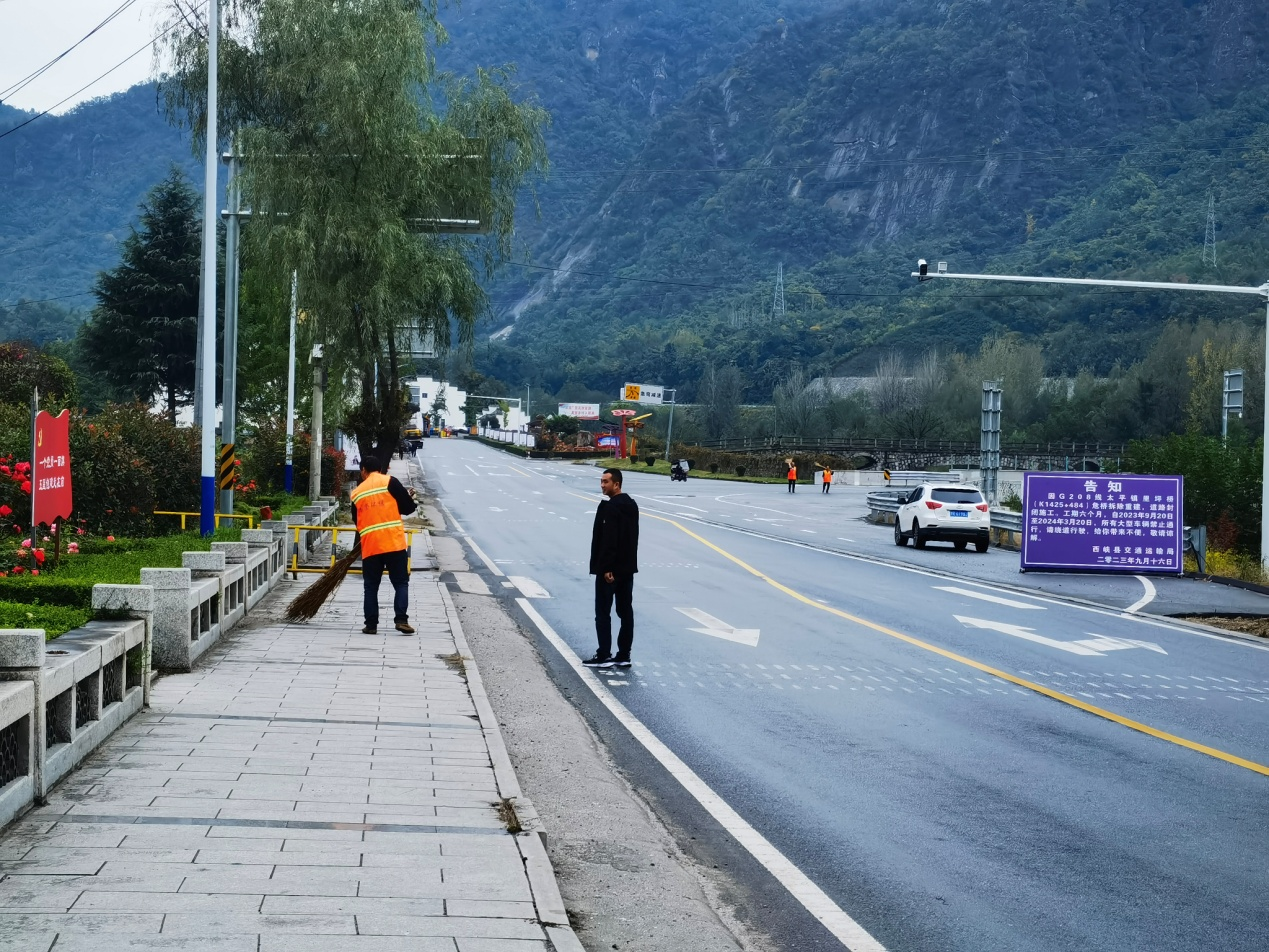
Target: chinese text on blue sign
(1103, 523)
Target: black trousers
(397, 564)
(793, 484)
(621, 590)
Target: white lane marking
(508, 584)
(847, 931)
(914, 570)
(472, 471)
(671, 500)
(1145, 599)
(471, 583)
(489, 564)
(528, 587)
(1095, 644)
(496, 509)
(970, 593)
(1027, 634)
(719, 628)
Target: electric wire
(26, 80)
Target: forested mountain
(1033, 136)
(698, 146)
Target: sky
(33, 32)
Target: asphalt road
(955, 764)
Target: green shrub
(47, 590)
(54, 619)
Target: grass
(507, 814)
(454, 662)
(661, 467)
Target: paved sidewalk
(307, 788)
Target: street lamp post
(207, 520)
(924, 274)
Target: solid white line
(489, 563)
(847, 931)
(1145, 599)
(970, 593)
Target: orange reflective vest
(378, 518)
(793, 472)
(828, 475)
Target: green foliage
(24, 368)
(142, 334)
(54, 619)
(1222, 482)
(39, 322)
(264, 461)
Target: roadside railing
(305, 546)
(251, 520)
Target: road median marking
(978, 665)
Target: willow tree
(359, 157)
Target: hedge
(54, 619)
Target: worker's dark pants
(827, 485)
(620, 589)
(372, 567)
(793, 483)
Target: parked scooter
(678, 471)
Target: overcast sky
(33, 32)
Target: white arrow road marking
(1107, 643)
(970, 593)
(719, 628)
(1027, 634)
(1145, 599)
(528, 587)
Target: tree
(142, 334)
(719, 394)
(24, 368)
(352, 143)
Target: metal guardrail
(1195, 540)
(251, 522)
(1006, 520)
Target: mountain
(1032, 136)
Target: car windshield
(967, 495)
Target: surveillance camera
(923, 269)
(942, 267)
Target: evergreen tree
(142, 334)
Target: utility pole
(229, 401)
(669, 430)
(315, 446)
(923, 274)
(207, 347)
(777, 304)
(1209, 236)
(288, 482)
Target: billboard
(606, 442)
(581, 411)
(642, 393)
(1103, 523)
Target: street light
(923, 274)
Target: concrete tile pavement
(307, 787)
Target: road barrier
(251, 520)
(301, 545)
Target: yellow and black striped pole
(226, 478)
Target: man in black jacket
(614, 548)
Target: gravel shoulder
(624, 881)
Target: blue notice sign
(1102, 523)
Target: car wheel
(918, 539)
(899, 537)
(982, 545)
(959, 546)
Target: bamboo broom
(310, 601)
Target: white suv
(934, 512)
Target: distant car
(933, 512)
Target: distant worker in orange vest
(828, 476)
(379, 501)
(793, 476)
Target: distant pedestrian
(379, 501)
(793, 475)
(828, 476)
(614, 550)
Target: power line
(63, 297)
(25, 81)
(130, 56)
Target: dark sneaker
(370, 630)
(404, 627)
(599, 661)
(621, 661)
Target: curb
(532, 842)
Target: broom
(310, 601)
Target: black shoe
(621, 661)
(599, 661)
(370, 630)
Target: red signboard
(51, 472)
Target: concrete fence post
(131, 601)
(22, 659)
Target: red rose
(5, 511)
(26, 486)
(18, 570)
(39, 556)
(35, 571)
